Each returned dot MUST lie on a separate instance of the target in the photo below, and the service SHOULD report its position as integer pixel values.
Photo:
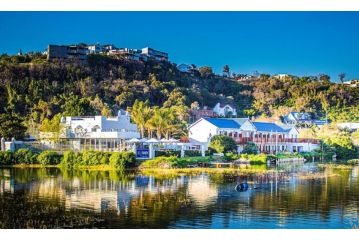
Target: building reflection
(197, 199)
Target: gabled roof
(240, 121)
(223, 123)
(268, 127)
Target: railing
(244, 140)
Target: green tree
(341, 77)
(12, 125)
(250, 148)
(226, 70)
(223, 144)
(141, 113)
(76, 106)
(205, 71)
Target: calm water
(51, 198)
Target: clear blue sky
(300, 43)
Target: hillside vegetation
(33, 91)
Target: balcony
(244, 140)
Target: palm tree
(140, 113)
(162, 121)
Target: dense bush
(122, 160)
(174, 162)
(119, 160)
(159, 162)
(191, 161)
(223, 144)
(91, 158)
(250, 148)
(192, 153)
(49, 157)
(354, 161)
(71, 159)
(167, 153)
(252, 158)
(25, 156)
(6, 158)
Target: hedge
(49, 157)
(120, 160)
(167, 153)
(21, 156)
(173, 162)
(192, 153)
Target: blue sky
(300, 43)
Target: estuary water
(287, 198)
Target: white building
(225, 110)
(129, 54)
(99, 132)
(351, 126)
(282, 76)
(297, 117)
(269, 137)
(155, 54)
(95, 48)
(352, 83)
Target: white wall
(117, 127)
(201, 130)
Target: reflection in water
(38, 198)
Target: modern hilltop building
(269, 137)
(155, 54)
(67, 52)
(81, 51)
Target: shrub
(192, 153)
(354, 161)
(250, 148)
(49, 157)
(6, 158)
(231, 156)
(223, 144)
(91, 158)
(122, 160)
(174, 162)
(187, 161)
(255, 158)
(71, 159)
(167, 153)
(159, 162)
(25, 156)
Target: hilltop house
(186, 68)
(225, 110)
(154, 54)
(302, 118)
(269, 137)
(352, 83)
(201, 113)
(297, 117)
(80, 51)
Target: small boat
(241, 187)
